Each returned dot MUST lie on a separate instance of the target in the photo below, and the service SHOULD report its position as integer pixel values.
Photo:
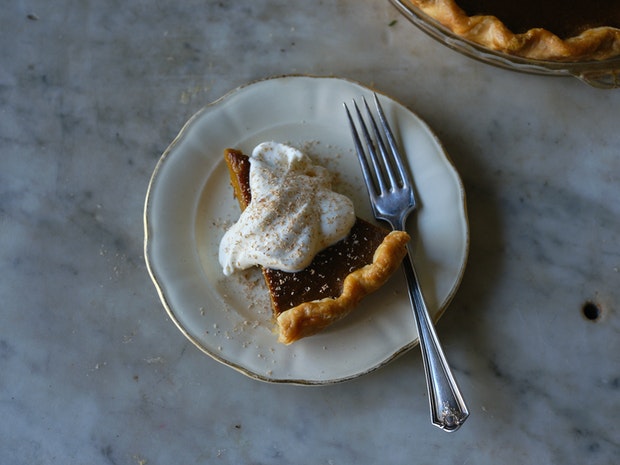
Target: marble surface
(92, 371)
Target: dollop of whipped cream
(292, 216)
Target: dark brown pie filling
(562, 18)
(325, 276)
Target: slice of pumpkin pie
(318, 259)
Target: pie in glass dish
(547, 30)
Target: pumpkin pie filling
(564, 19)
(306, 301)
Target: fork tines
(389, 169)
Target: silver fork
(391, 193)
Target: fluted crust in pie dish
(538, 44)
(309, 318)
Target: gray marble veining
(93, 372)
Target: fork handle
(448, 409)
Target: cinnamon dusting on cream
(292, 216)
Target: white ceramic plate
(189, 204)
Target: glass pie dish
(604, 74)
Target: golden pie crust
(593, 43)
(341, 275)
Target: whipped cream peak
(292, 216)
